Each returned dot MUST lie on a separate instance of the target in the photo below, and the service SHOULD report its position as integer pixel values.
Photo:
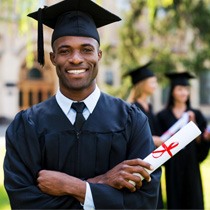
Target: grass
(205, 173)
(4, 202)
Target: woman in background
(144, 84)
(183, 179)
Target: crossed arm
(59, 184)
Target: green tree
(14, 13)
(174, 34)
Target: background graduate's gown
(154, 126)
(43, 138)
(153, 123)
(183, 179)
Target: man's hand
(58, 184)
(119, 176)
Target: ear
(99, 55)
(52, 58)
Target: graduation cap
(140, 73)
(71, 18)
(179, 78)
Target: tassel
(40, 39)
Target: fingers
(137, 171)
(136, 179)
(138, 162)
(191, 116)
(127, 174)
(137, 183)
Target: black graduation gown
(183, 179)
(151, 117)
(154, 126)
(42, 137)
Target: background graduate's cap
(140, 73)
(179, 78)
(71, 18)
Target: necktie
(78, 107)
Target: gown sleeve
(21, 165)
(140, 145)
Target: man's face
(76, 60)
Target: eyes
(182, 88)
(83, 50)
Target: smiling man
(76, 60)
(80, 148)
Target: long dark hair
(170, 102)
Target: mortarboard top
(71, 18)
(179, 78)
(140, 73)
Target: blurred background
(174, 34)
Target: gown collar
(90, 102)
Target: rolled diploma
(175, 127)
(169, 148)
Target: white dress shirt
(90, 102)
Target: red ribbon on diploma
(165, 149)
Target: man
(59, 157)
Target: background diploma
(175, 127)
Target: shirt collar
(90, 102)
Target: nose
(76, 58)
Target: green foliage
(110, 54)
(15, 11)
(26, 25)
(131, 38)
(203, 22)
(182, 20)
(174, 34)
(122, 91)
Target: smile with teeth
(76, 71)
